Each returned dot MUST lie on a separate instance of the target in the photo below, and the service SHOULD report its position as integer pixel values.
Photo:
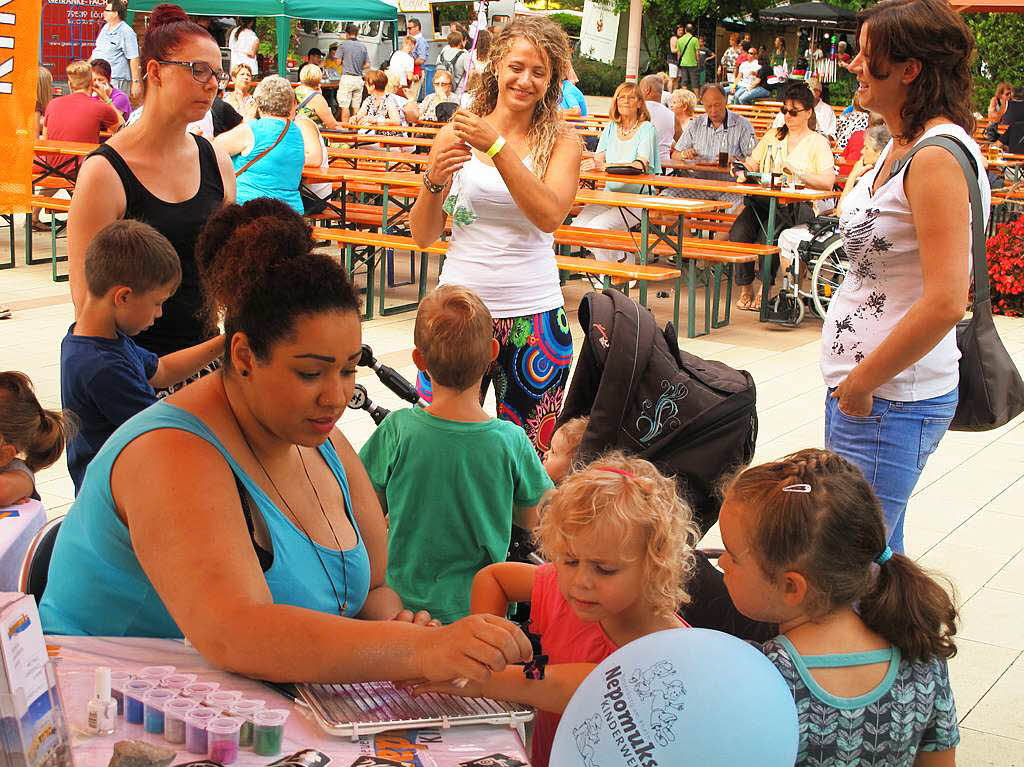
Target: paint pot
(177, 682)
(268, 731)
(222, 736)
(118, 679)
(133, 692)
(198, 691)
(153, 709)
(175, 716)
(196, 722)
(244, 710)
(221, 699)
(155, 674)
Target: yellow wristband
(496, 146)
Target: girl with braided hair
(506, 170)
(864, 633)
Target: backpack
(449, 66)
(694, 419)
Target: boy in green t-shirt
(450, 478)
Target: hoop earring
(245, 373)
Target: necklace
(342, 604)
(627, 132)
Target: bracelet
(496, 146)
(430, 185)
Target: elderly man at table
(118, 45)
(664, 120)
(705, 136)
(824, 116)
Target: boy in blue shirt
(105, 378)
(451, 478)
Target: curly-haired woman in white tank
(507, 171)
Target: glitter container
(175, 716)
(222, 736)
(177, 682)
(118, 679)
(196, 722)
(245, 710)
(133, 692)
(268, 731)
(198, 691)
(219, 700)
(155, 674)
(153, 709)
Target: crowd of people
(214, 350)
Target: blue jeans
(749, 97)
(891, 447)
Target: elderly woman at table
(236, 513)
(312, 103)
(443, 94)
(240, 97)
(888, 348)
(683, 103)
(628, 139)
(800, 153)
(270, 152)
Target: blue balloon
(680, 697)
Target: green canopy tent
(282, 11)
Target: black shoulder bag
(991, 389)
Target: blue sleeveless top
(279, 172)
(97, 587)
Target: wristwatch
(430, 185)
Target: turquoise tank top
(97, 587)
(279, 172)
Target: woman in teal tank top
(234, 513)
(265, 168)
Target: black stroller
(694, 419)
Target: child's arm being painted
(15, 487)
(552, 693)
(497, 586)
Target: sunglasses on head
(791, 112)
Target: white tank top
(883, 282)
(500, 254)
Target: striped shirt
(735, 135)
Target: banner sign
(599, 30)
(19, 74)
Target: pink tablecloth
(423, 748)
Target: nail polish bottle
(102, 709)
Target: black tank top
(183, 323)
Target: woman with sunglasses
(443, 94)
(800, 153)
(154, 171)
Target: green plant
(597, 78)
(1006, 267)
(570, 23)
(841, 91)
(1000, 39)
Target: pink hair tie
(623, 472)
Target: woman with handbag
(889, 349)
(629, 145)
(270, 152)
(157, 173)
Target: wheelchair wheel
(786, 309)
(829, 270)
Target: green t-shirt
(452, 490)
(687, 47)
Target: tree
(1000, 40)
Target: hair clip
(621, 472)
(797, 488)
(884, 557)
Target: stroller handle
(391, 378)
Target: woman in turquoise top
(629, 139)
(236, 514)
(277, 173)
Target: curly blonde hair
(626, 495)
(547, 125)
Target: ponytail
(35, 432)
(911, 610)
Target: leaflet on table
(31, 725)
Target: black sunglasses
(201, 71)
(792, 112)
